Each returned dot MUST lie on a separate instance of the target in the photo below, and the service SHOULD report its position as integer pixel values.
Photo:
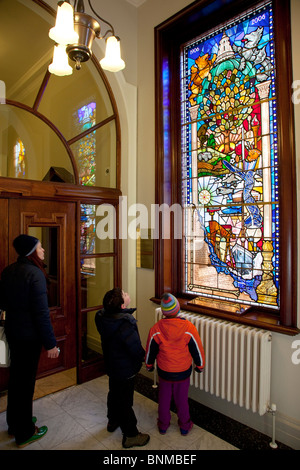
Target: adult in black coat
(123, 356)
(23, 296)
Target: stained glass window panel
(98, 148)
(19, 160)
(230, 162)
(86, 147)
(97, 229)
(87, 229)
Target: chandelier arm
(79, 6)
(102, 19)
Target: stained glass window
(230, 163)
(19, 160)
(86, 147)
(87, 237)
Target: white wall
(150, 14)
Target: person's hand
(53, 353)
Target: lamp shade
(60, 65)
(63, 32)
(112, 60)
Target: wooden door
(54, 223)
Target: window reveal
(230, 162)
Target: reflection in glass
(87, 229)
(90, 243)
(91, 342)
(43, 147)
(97, 278)
(48, 237)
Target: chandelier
(74, 33)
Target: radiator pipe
(272, 410)
(155, 379)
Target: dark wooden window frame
(182, 27)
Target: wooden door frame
(25, 213)
(54, 191)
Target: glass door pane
(48, 237)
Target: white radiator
(238, 361)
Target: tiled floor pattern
(47, 385)
(76, 420)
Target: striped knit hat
(169, 305)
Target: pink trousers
(179, 391)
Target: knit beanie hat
(169, 305)
(25, 244)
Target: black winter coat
(23, 295)
(122, 349)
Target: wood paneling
(26, 203)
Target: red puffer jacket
(174, 343)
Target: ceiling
(19, 48)
(136, 3)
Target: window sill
(253, 317)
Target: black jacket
(122, 349)
(23, 295)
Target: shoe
(111, 427)
(184, 432)
(11, 432)
(162, 431)
(39, 433)
(139, 440)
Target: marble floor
(76, 420)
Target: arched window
(19, 160)
(55, 117)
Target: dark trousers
(179, 391)
(120, 405)
(24, 357)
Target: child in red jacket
(174, 342)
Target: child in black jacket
(123, 356)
